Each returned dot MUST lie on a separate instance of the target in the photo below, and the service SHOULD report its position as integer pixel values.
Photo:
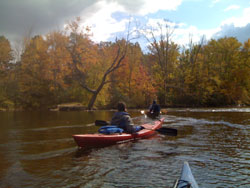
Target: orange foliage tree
(34, 85)
(132, 82)
(88, 67)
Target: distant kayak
(186, 179)
(100, 140)
(152, 115)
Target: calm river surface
(37, 150)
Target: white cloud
(101, 22)
(234, 26)
(241, 21)
(238, 27)
(156, 5)
(43, 16)
(103, 25)
(232, 7)
(241, 33)
(184, 34)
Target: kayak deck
(100, 140)
(186, 179)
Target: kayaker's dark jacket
(124, 121)
(155, 109)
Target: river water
(37, 150)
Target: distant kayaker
(122, 119)
(154, 109)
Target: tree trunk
(92, 100)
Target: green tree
(189, 75)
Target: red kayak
(100, 140)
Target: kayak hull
(100, 140)
(186, 178)
(152, 115)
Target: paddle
(162, 130)
(101, 123)
(167, 131)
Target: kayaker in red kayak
(122, 119)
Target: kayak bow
(186, 179)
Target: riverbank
(75, 106)
(69, 107)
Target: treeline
(67, 66)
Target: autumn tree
(164, 52)
(188, 74)
(58, 66)
(85, 60)
(222, 60)
(34, 86)
(244, 74)
(5, 54)
(132, 83)
(240, 80)
(5, 68)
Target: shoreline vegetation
(67, 66)
(80, 107)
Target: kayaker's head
(121, 107)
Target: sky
(109, 19)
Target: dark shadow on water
(80, 152)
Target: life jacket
(110, 129)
